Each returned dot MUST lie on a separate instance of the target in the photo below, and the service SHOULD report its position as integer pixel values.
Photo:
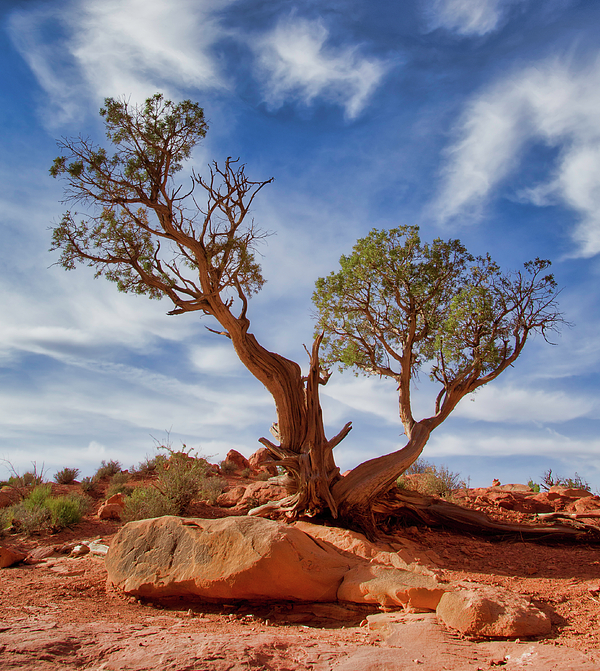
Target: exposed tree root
(409, 507)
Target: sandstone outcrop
(390, 587)
(262, 462)
(239, 460)
(112, 508)
(481, 611)
(230, 558)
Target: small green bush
(211, 489)
(146, 503)
(89, 485)
(40, 512)
(65, 511)
(430, 480)
(118, 485)
(263, 476)
(66, 476)
(180, 479)
(228, 467)
(30, 519)
(38, 496)
(107, 470)
(147, 467)
(576, 482)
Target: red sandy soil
(59, 614)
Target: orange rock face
(230, 558)
(238, 459)
(262, 462)
(10, 557)
(490, 612)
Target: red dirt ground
(60, 615)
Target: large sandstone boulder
(481, 611)
(222, 559)
(390, 587)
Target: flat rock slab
(246, 558)
(169, 644)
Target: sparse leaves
(144, 232)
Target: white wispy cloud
(104, 48)
(468, 17)
(296, 63)
(553, 102)
(519, 405)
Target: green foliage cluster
(89, 485)
(431, 480)
(147, 467)
(550, 480)
(108, 469)
(66, 476)
(118, 484)
(40, 512)
(399, 305)
(180, 479)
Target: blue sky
(475, 119)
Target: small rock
(39, 554)
(9, 557)
(489, 612)
(110, 511)
(231, 497)
(80, 550)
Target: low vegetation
(107, 470)
(431, 480)
(66, 476)
(40, 512)
(180, 478)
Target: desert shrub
(65, 511)
(246, 473)
(118, 485)
(148, 466)
(263, 476)
(180, 478)
(89, 485)
(211, 489)
(6, 518)
(39, 495)
(30, 518)
(23, 482)
(431, 480)
(228, 467)
(66, 476)
(146, 503)
(533, 485)
(40, 512)
(575, 482)
(107, 470)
